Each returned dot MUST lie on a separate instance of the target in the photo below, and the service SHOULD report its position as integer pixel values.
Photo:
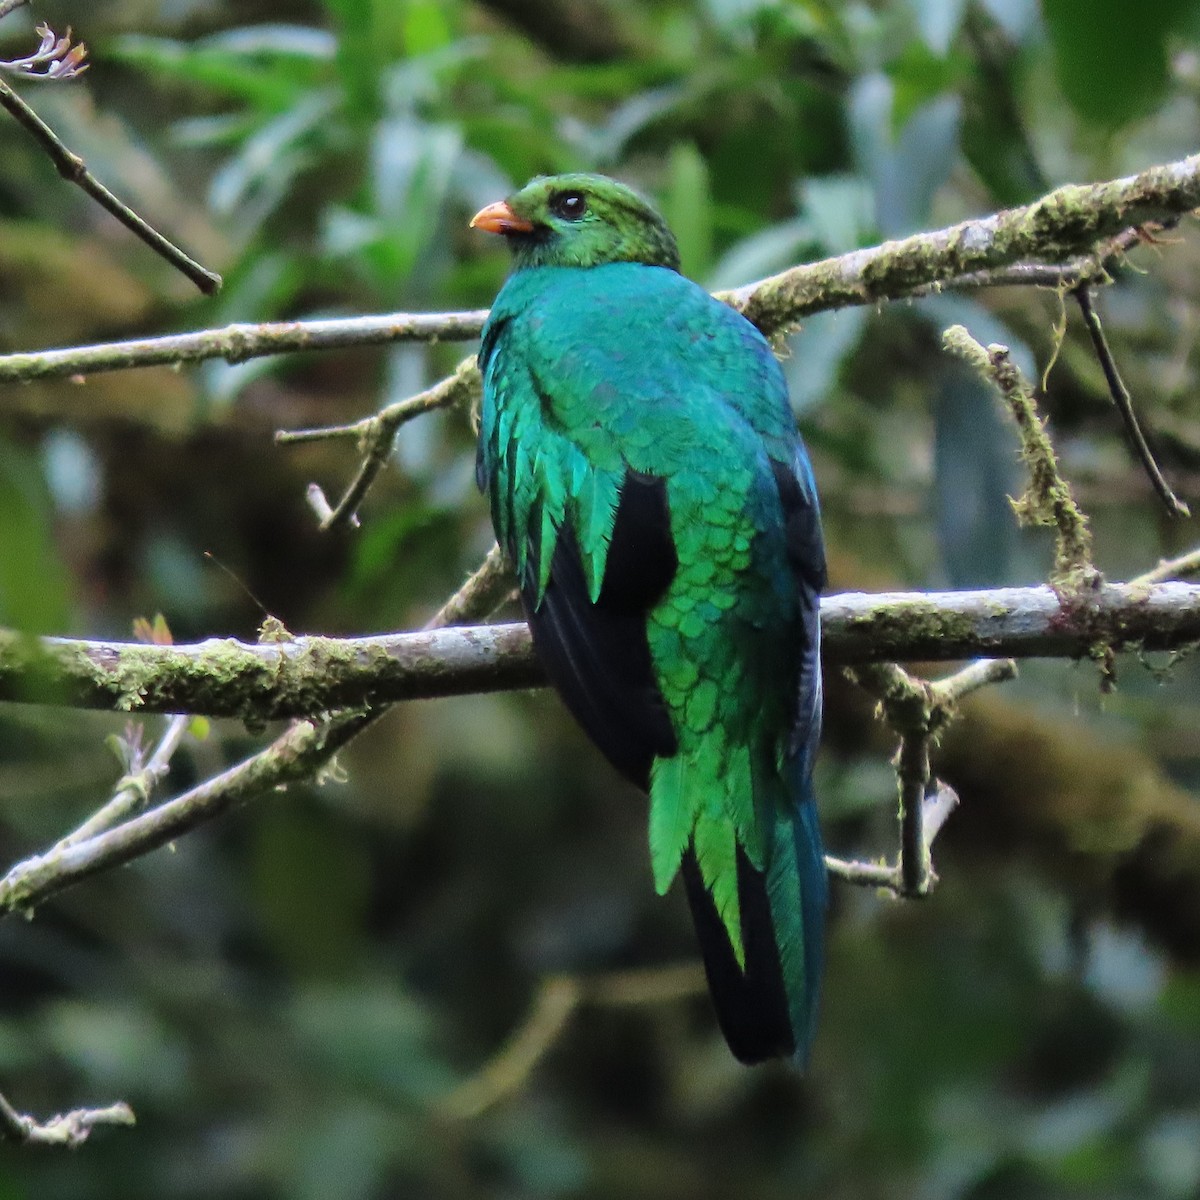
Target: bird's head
(580, 221)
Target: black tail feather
(752, 1005)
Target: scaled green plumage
(646, 478)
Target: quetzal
(648, 483)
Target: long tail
(769, 1010)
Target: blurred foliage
(287, 997)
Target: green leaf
(1111, 56)
(268, 82)
(687, 206)
(33, 579)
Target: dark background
(289, 997)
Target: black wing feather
(597, 655)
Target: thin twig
(1043, 275)
(72, 168)
(239, 342)
(70, 1129)
(918, 711)
(1124, 402)
(378, 432)
(322, 509)
(864, 874)
(1091, 268)
(133, 792)
(483, 591)
(1170, 568)
(949, 690)
(557, 1000)
(908, 706)
(555, 1003)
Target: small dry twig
(1124, 402)
(1170, 568)
(557, 1000)
(70, 1129)
(57, 59)
(375, 436)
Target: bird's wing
(591, 539)
(596, 653)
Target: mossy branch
(1064, 231)
(223, 677)
(1072, 220)
(1048, 499)
(357, 678)
(918, 710)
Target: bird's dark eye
(570, 206)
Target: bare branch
(1124, 402)
(486, 589)
(376, 435)
(1171, 568)
(73, 169)
(555, 1004)
(557, 1000)
(69, 1129)
(237, 343)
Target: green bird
(647, 481)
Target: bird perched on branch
(647, 481)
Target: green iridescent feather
(607, 375)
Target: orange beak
(499, 218)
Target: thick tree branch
(311, 675)
(300, 752)
(1071, 220)
(1074, 223)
